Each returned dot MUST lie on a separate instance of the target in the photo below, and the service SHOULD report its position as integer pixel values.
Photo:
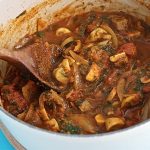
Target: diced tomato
(129, 49)
(146, 89)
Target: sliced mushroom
(98, 33)
(145, 80)
(78, 58)
(85, 106)
(114, 123)
(120, 56)
(62, 31)
(65, 64)
(67, 41)
(61, 75)
(100, 120)
(94, 73)
(130, 100)
(78, 46)
(121, 88)
(112, 94)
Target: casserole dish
(29, 136)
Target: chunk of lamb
(121, 23)
(14, 97)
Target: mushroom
(61, 31)
(112, 94)
(66, 65)
(100, 120)
(61, 75)
(118, 57)
(97, 34)
(130, 100)
(114, 123)
(121, 88)
(94, 73)
(78, 46)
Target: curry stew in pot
(100, 65)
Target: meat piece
(120, 22)
(134, 34)
(14, 97)
(74, 95)
(99, 56)
(129, 49)
(146, 88)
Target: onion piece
(114, 37)
(78, 58)
(121, 88)
(112, 94)
(67, 41)
(52, 123)
(30, 112)
(114, 123)
(77, 77)
(85, 122)
(146, 110)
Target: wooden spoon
(40, 59)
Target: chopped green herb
(138, 86)
(84, 25)
(40, 34)
(79, 102)
(68, 127)
(109, 49)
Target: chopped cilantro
(68, 127)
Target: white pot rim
(112, 133)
